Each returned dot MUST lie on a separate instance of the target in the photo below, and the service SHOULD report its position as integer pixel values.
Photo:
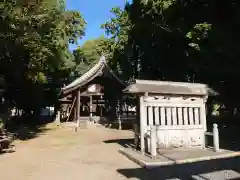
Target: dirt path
(67, 155)
(63, 154)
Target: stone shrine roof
(168, 87)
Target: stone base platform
(173, 156)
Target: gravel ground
(63, 154)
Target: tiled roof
(95, 71)
(168, 87)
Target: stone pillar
(153, 142)
(215, 138)
(57, 120)
(142, 125)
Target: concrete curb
(152, 165)
(221, 156)
(137, 161)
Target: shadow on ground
(28, 128)
(126, 143)
(126, 125)
(9, 150)
(221, 169)
(26, 133)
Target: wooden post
(74, 113)
(101, 110)
(90, 108)
(97, 108)
(77, 109)
(119, 115)
(135, 128)
(136, 123)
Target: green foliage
(34, 50)
(194, 41)
(119, 29)
(197, 34)
(89, 54)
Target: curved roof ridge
(91, 73)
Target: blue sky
(95, 13)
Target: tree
(34, 51)
(121, 44)
(89, 54)
(194, 41)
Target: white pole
(215, 138)
(153, 142)
(142, 125)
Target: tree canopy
(35, 60)
(194, 41)
(89, 54)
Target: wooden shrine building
(94, 95)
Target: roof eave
(164, 93)
(94, 72)
(133, 89)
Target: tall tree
(122, 44)
(193, 41)
(90, 52)
(34, 50)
